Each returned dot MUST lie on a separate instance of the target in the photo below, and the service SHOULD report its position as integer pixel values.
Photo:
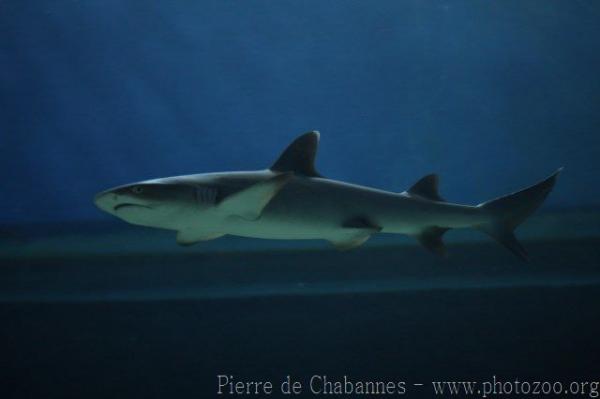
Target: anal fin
(431, 239)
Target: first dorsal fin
(427, 187)
(299, 157)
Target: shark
(291, 200)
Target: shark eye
(137, 189)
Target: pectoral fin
(191, 237)
(250, 202)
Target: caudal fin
(511, 210)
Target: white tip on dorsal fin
(299, 157)
(427, 187)
(250, 202)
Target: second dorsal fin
(299, 157)
(427, 187)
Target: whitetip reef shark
(291, 200)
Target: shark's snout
(112, 201)
(106, 200)
(136, 203)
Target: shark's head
(151, 203)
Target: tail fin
(512, 209)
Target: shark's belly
(287, 224)
(279, 231)
(306, 211)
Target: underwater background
(492, 96)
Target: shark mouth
(127, 205)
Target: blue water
(492, 96)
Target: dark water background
(491, 95)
